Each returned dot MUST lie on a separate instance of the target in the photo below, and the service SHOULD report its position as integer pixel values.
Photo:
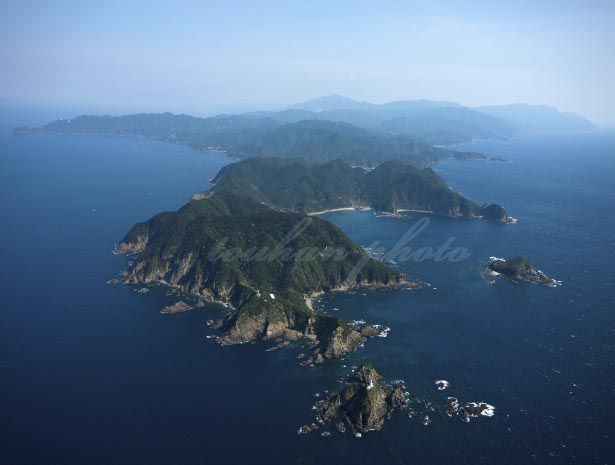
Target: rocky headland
(265, 265)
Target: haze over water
(94, 374)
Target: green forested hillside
(299, 186)
(261, 261)
(395, 185)
(292, 184)
(321, 141)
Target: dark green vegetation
(519, 269)
(322, 141)
(292, 184)
(364, 403)
(243, 137)
(494, 212)
(265, 263)
(299, 186)
(395, 186)
(512, 267)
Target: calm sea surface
(93, 373)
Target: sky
(208, 57)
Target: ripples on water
(95, 373)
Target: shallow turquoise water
(94, 374)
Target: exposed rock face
(133, 247)
(364, 404)
(372, 330)
(451, 404)
(474, 410)
(442, 384)
(328, 409)
(467, 412)
(335, 337)
(305, 429)
(397, 399)
(264, 264)
(365, 400)
(177, 307)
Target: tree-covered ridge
(292, 184)
(261, 261)
(397, 186)
(322, 141)
(303, 187)
(242, 137)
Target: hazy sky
(205, 57)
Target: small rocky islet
(365, 402)
(517, 269)
(177, 307)
(362, 406)
(469, 411)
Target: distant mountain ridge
(338, 102)
(331, 102)
(332, 127)
(433, 122)
(537, 118)
(420, 117)
(243, 137)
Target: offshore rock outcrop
(178, 307)
(519, 269)
(495, 213)
(469, 411)
(364, 403)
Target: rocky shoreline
(469, 411)
(402, 284)
(362, 406)
(518, 269)
(178, 307)
(365, 402)
(330, 337)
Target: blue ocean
(94, 374)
